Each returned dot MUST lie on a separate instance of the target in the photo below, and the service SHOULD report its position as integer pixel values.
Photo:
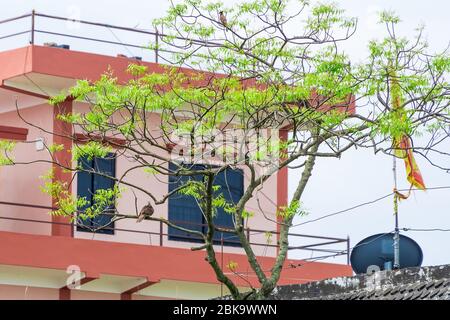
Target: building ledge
(13, 133)
(46, 71)
(152, 263)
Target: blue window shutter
(231, 184)
(183, 210)
(85, 188)
(105, 166)
(89, 183)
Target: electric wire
(425, 230)
(306, 261)
(362, 205)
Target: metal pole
(161, 231)
(348, 250)
(33, 14)
(156, 45)
(397, 230)
(221, 262)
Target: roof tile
(439, 283)
(426, 283)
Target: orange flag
(403, 150)
(402, 145)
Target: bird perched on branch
(146, 212)
(223, 19)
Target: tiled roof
(426, 283)
(427, 290)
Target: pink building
(39, 252)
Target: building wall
(8, 292)
(20, 184)
(159, 188)
(190, 291)
(52, 70)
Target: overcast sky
(357, 177)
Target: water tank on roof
(377, 253)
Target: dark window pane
(185, 211)
(231, 184)
(89, 183)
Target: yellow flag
(402, 145)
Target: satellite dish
(377, 252)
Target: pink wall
(267, 198)
(90, 295)
(20, 183)
(8, 292)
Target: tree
(228, 85)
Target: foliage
(292, 210)
(222, 98)
(69, 205)
(6, 147)
(66, 204)
(90, 150)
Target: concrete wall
(20, 183)
(9, 292)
